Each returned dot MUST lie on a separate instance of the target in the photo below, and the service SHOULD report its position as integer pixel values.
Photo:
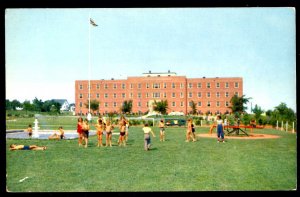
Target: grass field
(173, 165)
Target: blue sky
(48, 49)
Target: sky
(46, 50)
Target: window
(147, 85)
(226, 85)
(181, 104)
(105, 104)
(208, 103)
(173, 104)
(115, 86)
(98, 86)
(105, 86)
(218, 94)
(165, 95)
(173, 94)
(217, 85)
(80, 87)
(227, 104)
(80, 104)
(181, 94)
(208, 95)
(105, 95)
(131, 95)
(190, 85)
(97, 95)
(199, 104)
(156, 95)
(208, 85)
(123, 86)
(139, 95)
(218, 103)
(190, 94)
(181, 85)
(139, 104)
(139, 86)
(80, 96)
(199, 94)
(147, 95)
(173, 85)
(115, 104)
(190, 103)
(115, 95)
(236, 84)
(156, 85)
(165, 85)
(236, 93)
(123, 95)
(131, 86)
(226, 94)
(199, 85)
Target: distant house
(72, 107)
(64, 104)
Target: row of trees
(36, 105)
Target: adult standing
(220, 129)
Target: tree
(8, 104)
(194, 107)
(127, 106)
(257, 111)
(27, 106)
(161, 106)
(237, 104)
(94, 105)
(12, 105)
(37, 104)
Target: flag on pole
(93, 23)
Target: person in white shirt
(147, 130)
(220, 130)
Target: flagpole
(89, 86)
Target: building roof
(160, 73)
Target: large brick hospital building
(209, 94)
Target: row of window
(173, 104)
(162, 95)
(164, 85)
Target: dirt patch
(251, 136)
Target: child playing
(162, 130)
(193, 133)
(188, 130)
(86, 128)
(25, 147)
(147, 140)
(126, 129)
(29, 130)
(99, 126)
(79, 130)
(109, 129)
(122, 128)
(58, 135)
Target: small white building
(64, 104)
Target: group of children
(60, 134)
(103, 127)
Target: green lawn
(173, 165)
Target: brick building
(209, 94)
